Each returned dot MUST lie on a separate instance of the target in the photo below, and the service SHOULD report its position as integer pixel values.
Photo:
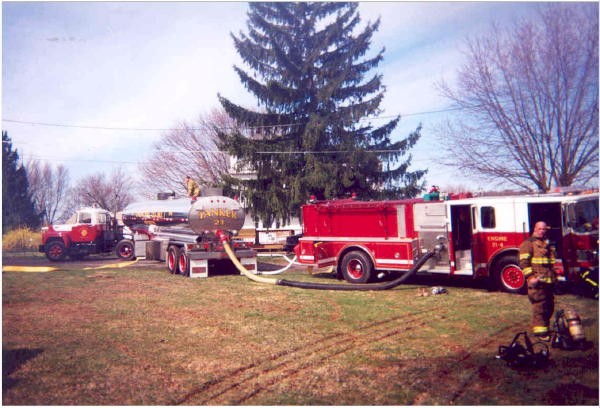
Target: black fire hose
(362, 286)
(322, 286)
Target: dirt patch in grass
(139, 336)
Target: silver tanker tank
(162, 213)
(206, 215)
(209, 214)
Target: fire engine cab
(478, 236)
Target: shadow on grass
(12, 360)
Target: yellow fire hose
(39, 269)
(111, 266)
(243, 269)
(12, 268)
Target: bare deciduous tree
(530, 97)
(112, 193)
(48, 188)
(188, 150)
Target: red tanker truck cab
(478, 236)
(91, 230)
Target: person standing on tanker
(193, 189)
(536, 259)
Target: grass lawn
(139, 336)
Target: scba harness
(529, 355)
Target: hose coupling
(222, 236)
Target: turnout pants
(542, 305)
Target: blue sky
(69, 68)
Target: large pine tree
(17, 205)
(314, 133)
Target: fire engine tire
(509, 276)
(172, 259)
(183, 263)
(125, 250)
(56, 251)
(356, 267)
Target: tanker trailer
(182, 234)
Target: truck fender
(58, 236)
(504, 252)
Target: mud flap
(198, 268)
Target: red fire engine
(479, 236)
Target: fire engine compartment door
(462, 237)
(430, 220)
(324, 254)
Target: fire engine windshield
(583, 216)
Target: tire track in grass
(476, 368)
(237, 387)
(381, 334)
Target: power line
(22, 122)
(55, 159)
(326, 151)
(432, 112)
(143, 129)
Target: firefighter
(434, 193)
(193, 189)
(536, 259)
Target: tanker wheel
(172, 259)
(509, 276)
(125, 250)
(183, 264)
(56, 251)
(356, 267)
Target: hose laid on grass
(243, 269)
(363, 286)
(281, 270)
(110, 266)
(325, 286)
(11, 268)
(292, 260)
